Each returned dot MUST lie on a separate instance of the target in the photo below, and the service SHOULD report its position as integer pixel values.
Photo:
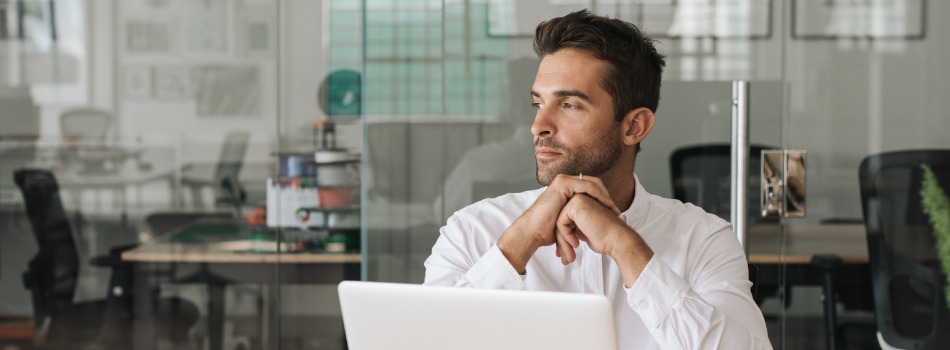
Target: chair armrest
(114, 258)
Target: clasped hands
(572, 209)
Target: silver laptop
(406, 316)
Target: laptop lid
(405, 316)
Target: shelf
(293, 153)
(331, 209)
(336, 162)
(311, 178)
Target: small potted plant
(937, 207)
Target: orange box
(335, 197)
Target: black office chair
(911, 309)
(53, 272)
(754, 278)
(701, 175)
(854, 334)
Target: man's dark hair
(633, 79)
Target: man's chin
(545, 176)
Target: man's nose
(543, 125)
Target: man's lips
(546, 153)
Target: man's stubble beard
(588, 159)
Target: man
(676, 275)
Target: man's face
(574, 129)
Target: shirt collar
(637, 212)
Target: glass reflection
(497, 167)
(441, 108)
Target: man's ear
(636, 125)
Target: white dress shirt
(693, 294)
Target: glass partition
(298, 143)
(152, 141)
(863, 78)
(436, 89)
(448, 116)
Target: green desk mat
(209, 233)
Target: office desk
(217, 266)
(785, 260)
(201, 253)
(802, 242)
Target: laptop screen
(404, 316)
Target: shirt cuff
(656, 292)
(494, 271)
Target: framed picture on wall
(514, 18)
(228, 90)
(207, 27)
(137, 81)
(172, 82)
(825, 20)
(746, 19)
(256, 32)
(147, 36)
(144, 6)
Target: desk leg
(216, 315)
(144, 319)
(828, 263)
(351, 272)
(265, 318)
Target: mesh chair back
(230, 163)
(86, 123)
(54, 269)
(701, 175)
(911, 309)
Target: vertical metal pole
(740, 159)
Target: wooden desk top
(765, 247)
(804, 241)
(202, 253)
(193, 250)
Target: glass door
(447, 118)
(863, 78)
(840, 80)
(689, 153)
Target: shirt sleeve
(463, 258)
(714, 312)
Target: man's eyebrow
(566, 93)
(574, 93)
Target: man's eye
(569, 105)
(537, 106)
